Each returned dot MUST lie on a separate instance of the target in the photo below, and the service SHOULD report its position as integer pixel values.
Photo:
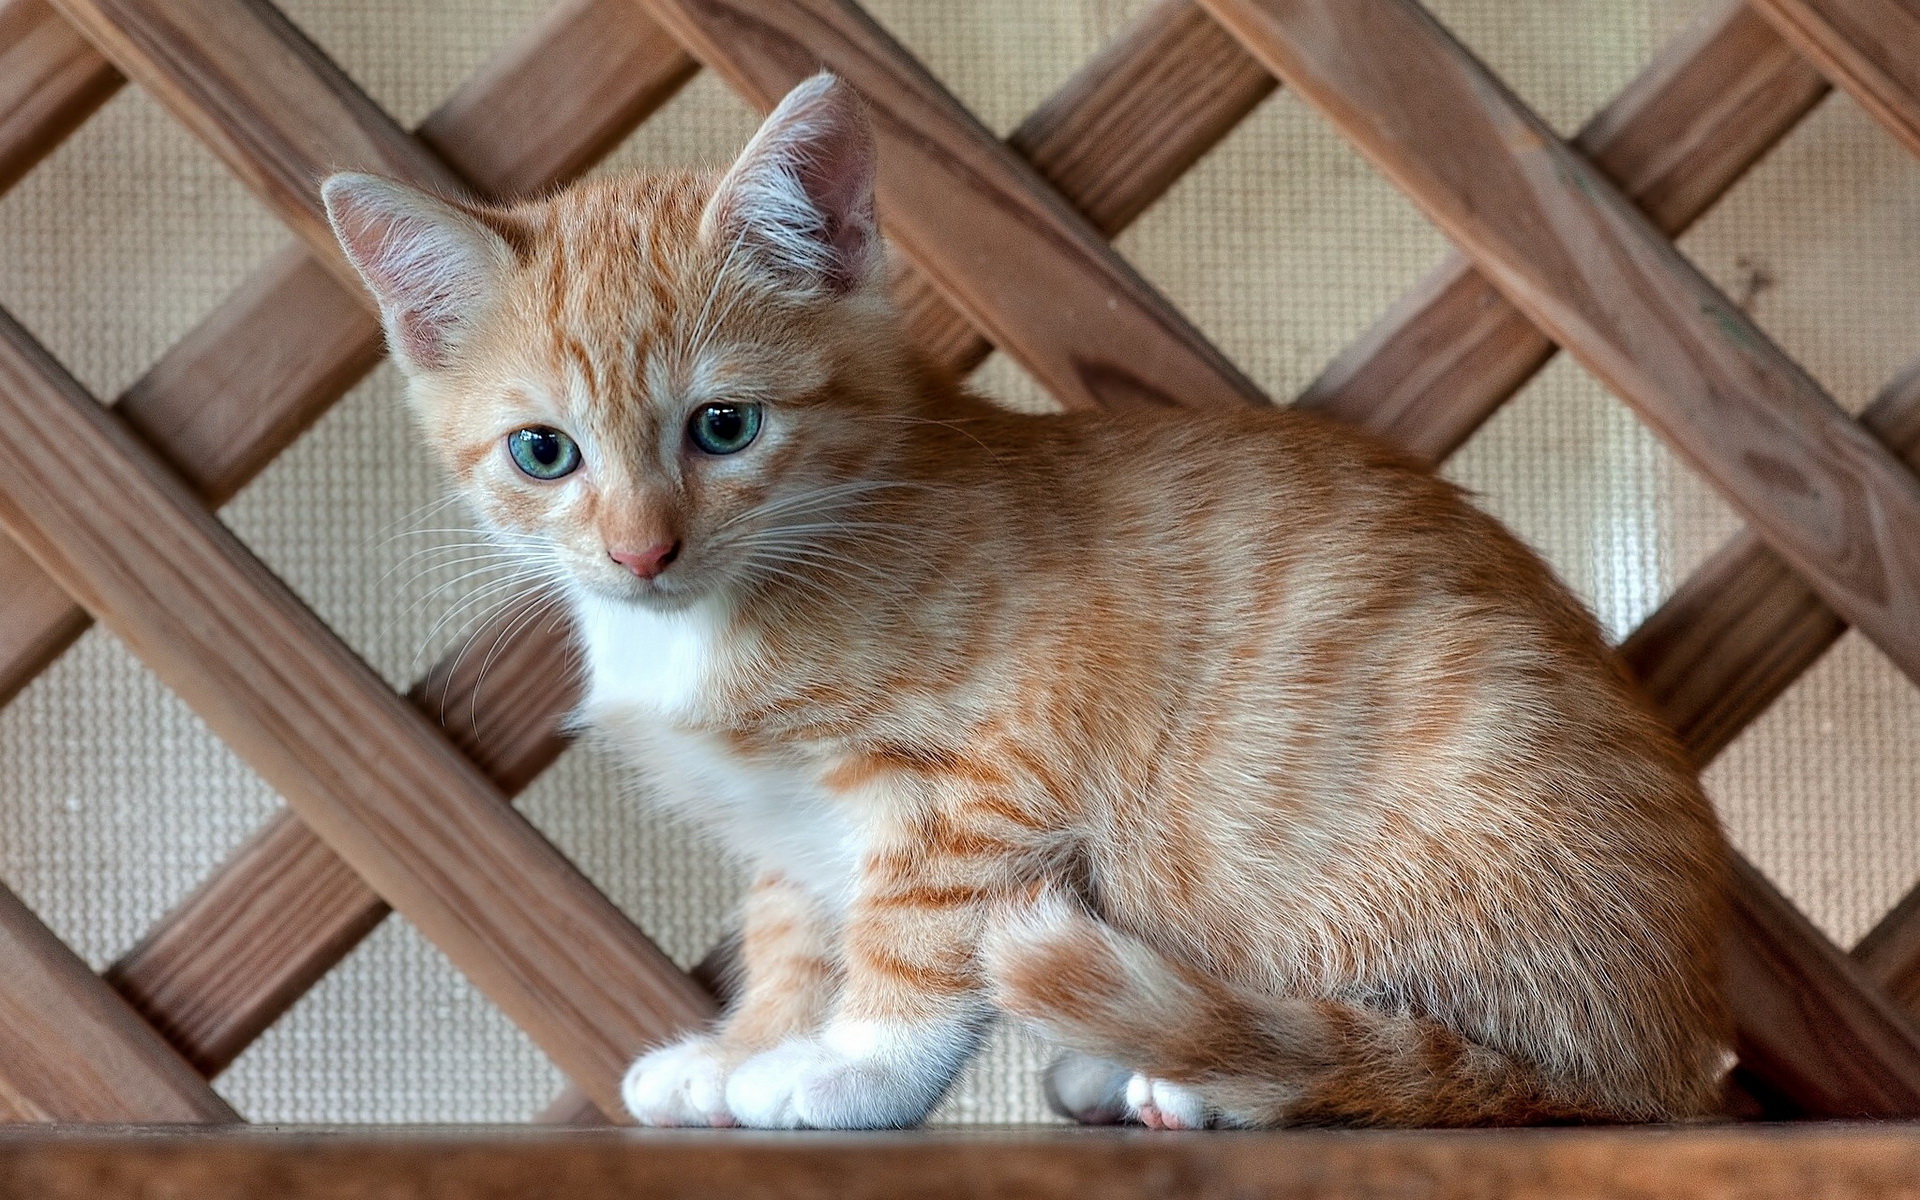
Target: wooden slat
(51, 79)
(1591, 271)
(265, 99)
(1129, 122)
(1743, 627)
(1708, 107)
(284, 909)
(71, 1050)
(1575, 256)
(1869, 47)
(1811, 1022)
(223, 401)
(996, 240)
(559, 98)
(367, 772)
(287, 909)
(1822, 1162)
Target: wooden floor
(1753, 1162)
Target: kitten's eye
(543, 452)
(724, 428)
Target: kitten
(1248, 763)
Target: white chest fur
(640, 660)
(650, 682)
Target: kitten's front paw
(681, 1084)
(803, 1084)
(1158, 1104)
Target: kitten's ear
(433, 268)
(800, 198)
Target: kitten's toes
(761, 1093)
(1086, 1089)
(681, 1084)
(810, 1083)
(1158, 1104)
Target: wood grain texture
(1871, 48)
(1127, 124)
(246, 381)
(1591, 271)
(1033, 275)
(389, 793)
(1811, 1022)
(1823, 1162)
(559, 98)
(288, 910)
(281, 911)
(1572, 254)
(71, 1050)
(263, 98)
(1737, 633)
(51, 80)
(1443, 359)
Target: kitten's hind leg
(1211, 1053)
(1097, 1091)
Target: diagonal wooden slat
(1592, 272)
(74, 1050)
(280, 912)
(1737, 633)
(1869, 47)
(51, 79)
(1128, 123)
(1584, 265)
(239, 388)
(1708, 107)
(262, 97)
(385, 789)
(284, 909)
(999, 243)
(222, 402)
(1810, 1021)
(1179, 29)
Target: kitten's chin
(658, 595)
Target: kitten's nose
(649, 562)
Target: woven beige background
(1283, 245)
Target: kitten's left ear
(800, 197)
(433, 267)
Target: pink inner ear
(802, 193)
(835, 171)
(429, 265)
(423, 338)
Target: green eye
(543, 452)
(724, 428)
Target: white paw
(1158, 1104)
(805, 1084)
(681, 1084)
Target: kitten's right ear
(432, 267)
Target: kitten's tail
(1255, 1060)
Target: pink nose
(649, 562)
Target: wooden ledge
(1753, 1162)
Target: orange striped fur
(1249, 763)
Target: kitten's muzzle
(648, 563)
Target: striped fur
(1243, 759)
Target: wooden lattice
(1561, 246)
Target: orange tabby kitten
(1251, 765)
